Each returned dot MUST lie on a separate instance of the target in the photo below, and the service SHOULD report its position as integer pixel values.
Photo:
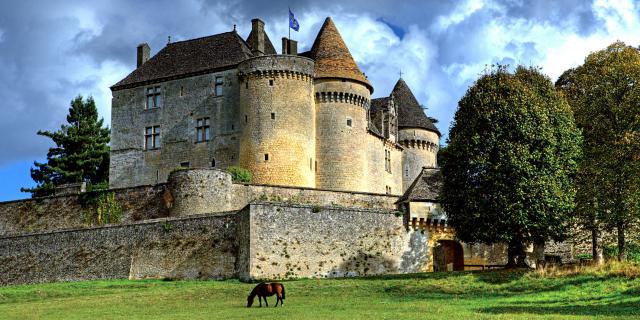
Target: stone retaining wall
(188, 248)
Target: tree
(604, 93)
(508, 169)
(81, 152)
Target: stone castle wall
(77, 211)
(342, 149)
(188, 192)
(378, 178)
(420, 150)
(184, 101)
(192, 248)
(278, 127)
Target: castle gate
(448, 256)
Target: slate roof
(332, 57)
(410, 114)
(426, 187)
(190, 57)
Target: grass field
(462, 295)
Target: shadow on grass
(624, 308)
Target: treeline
(528, 161)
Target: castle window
(316, 163)
(246, 118)
(273, 115)
(202, 130)
(154, 98)
(152, 137)
(266, 157)
(213, 163)
(181, 91)
(246, 84)
(271, 82)
(218, 87)
(387, 190)
(387, 160)
(349, 122)
(185, 164)
(406, 172)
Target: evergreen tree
(512, 153)
(604, 93)
(81, 152)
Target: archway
(448, 256)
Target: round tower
(416, 133)
(278, 120)
(342, 96)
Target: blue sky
(50, 52)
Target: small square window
(273, 115)
(349, 122)
(266, 157)
(271, 82)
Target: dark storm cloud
(50, 52)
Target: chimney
(257, 39)
(289, 46)
(143, 53)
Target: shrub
(239, 174)
(108, 210)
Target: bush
(239, 174)
(108, 210)
(633, 252)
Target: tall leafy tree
(512, 154)
(604, 93)
(81, 152)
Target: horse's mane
(254, 292)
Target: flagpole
(289, 22)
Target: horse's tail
(282, 292)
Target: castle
(343, 185)
(293, 119)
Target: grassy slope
(464, 295)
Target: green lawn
(463, 295)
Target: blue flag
(293, 23)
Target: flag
(293, 23)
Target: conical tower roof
(410, 114)
(332, 57)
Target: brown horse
(264, 290)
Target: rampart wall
(191, 248)
(189, 192)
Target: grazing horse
(264, 290)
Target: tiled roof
(332, 57)
(376, 114)
(426, 187)
(190, 57)
(410, 114)
(268, 46)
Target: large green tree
(604, 93)
(81, 151)
(513, 150)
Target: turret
(416, 133)
(342, 97)
(278, 120)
